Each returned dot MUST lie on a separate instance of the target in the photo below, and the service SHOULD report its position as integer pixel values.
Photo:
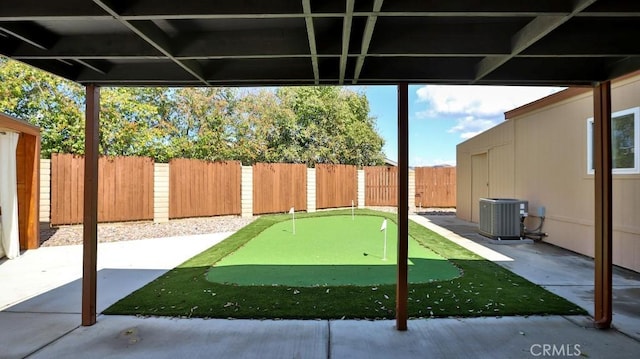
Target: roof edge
(558, 97)
(19, 125)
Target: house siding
(498, 146)
(545, 163)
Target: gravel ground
(113, 232)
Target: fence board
(125, 189)
(279, 186)
(128, 191)
(381, 186)
(336, 186)
(76, 175)
(67, 188)
(435, 187)
(201, 189)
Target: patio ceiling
(300, 42)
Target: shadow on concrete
(113, 284)
(36, 322)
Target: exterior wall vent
(500, 217)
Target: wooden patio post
(90, 215)
(603, 203)
(402, 290)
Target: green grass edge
(484, 289)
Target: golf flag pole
(352, 209)
(384, 228)
(293, 217)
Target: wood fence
(336, 186)
(125, 189)
(381, 186)
(435, 187)
(279, 186)
(200, 188)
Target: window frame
(635, 111)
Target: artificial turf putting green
(337, 250)
(483, 289)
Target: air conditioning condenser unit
(500, 218)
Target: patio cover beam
(31, 34)
(535, 30)
(311, 35)
(603, 203)
(402, 290)
(366, 38)
(346, 37)
(97, 66)
(90, 210)
(153, 35)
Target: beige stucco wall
(463, 181)
(412, 191)
(361, 184)
(161, 192)
(545, 162)
(497, 144)
(551, 170)
(311, 190)
(45, 190)
(246, 192)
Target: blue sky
(440, 117)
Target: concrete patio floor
(565, 273)
(40, 311)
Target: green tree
(265, 129)
(47, 101)
(291, 124)
(199, 123)
(132, 122)
(332, 126)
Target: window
(625, 142)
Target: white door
(479, 183)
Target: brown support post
(603, 189)
(402, 290)
(90, 216)
(28, 177)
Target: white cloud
(470, 126)
(476, 108)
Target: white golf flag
(291, 210)
(384, 225)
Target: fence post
(361, 189)
(160, 192)
(45, 191)
(311, 190)
(246, 190)
(412, 191)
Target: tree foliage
(290, 124)
(46, 101)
